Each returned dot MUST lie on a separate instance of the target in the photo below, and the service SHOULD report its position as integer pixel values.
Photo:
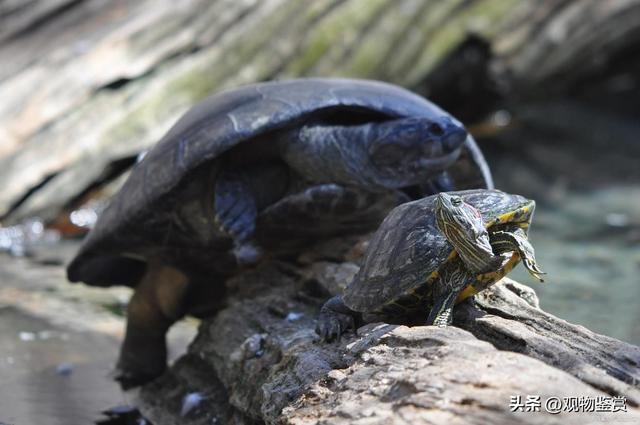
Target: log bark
(86, 83)
(263, 363)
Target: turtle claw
(443, 320)
(143, 355)
(335, 319)
(441, 315)
(533, 269)
(128, 378)
(518, 242)
(530, 264)
(331, 325)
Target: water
(53, 375)
(589, 244)
(59, 342)
(581, 163)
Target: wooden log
(266, 358)
(90, 82)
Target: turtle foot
(533, 269)
(441, 314)
(332, 325)
(443, 320)
(129, 378)
(334, 320)
(141, 359)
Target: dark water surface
(33, 392)
(589, 244)
(59, 342)
(581, 163)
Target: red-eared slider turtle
(256, 168)
(430, 253)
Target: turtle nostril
(436, 129)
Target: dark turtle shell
(408, 248)
(228, 119)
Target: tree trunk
(85, 83)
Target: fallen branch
(259, 361)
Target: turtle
(261, 171)
(431, 253)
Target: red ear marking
(475, 211)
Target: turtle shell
(408, 248)
(230, 118)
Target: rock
(502, 349)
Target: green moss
(403, 58)
(333, 34)
(197, 78)
(370, 56)
(235, 55)
(135, 124)
(365, 38)
(480, 18)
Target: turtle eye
(436, 129)
(455, 201)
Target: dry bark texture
(264, 362)
(266, 365)
(87, 82)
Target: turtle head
(464, 228)
(409, 151)
(456, 219)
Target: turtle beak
(443, 200)
(453, 137)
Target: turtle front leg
(453, 279)
(238, 198)
(326, 210)
(516, 240)
(335, 319)
(156, 304)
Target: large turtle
(430, 253)
(266, 167)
